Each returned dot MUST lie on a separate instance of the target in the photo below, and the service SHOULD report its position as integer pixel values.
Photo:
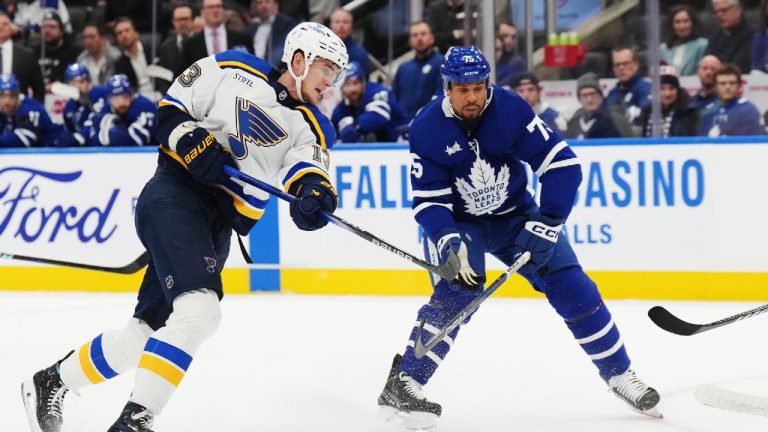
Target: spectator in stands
(527, 85)
(369, 111)
(732, 115)
(342, 24)
(684, 46)
(59, 49)
(135, 58)
(509, 62)
(732, 43)
(128, 119)
(99, 56)
(269, 30)
(24, 122)
(214, 38)
(760, 41)
(21, 61)
(298, 10)
(418, 80)
(237, 18)
(595, 118)
(29, 15)
(631, 91)
(706, 97)
(139, 11)
(92, 98)
(170, 50)
(446, 17)
(320, 10)
(678, 117)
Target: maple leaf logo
(485, 191)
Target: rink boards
(665, 219)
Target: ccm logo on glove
(200, 148)
(544, 231)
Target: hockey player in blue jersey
(230, 108)
(127, 119)
(92, 99)
(369, 112)
(24, 121)
(470, 197)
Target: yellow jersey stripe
(85, 363)
(164, 102)
(174, 156)
(161, 367)
(313, 122)
(246, 210)
(300, 173)
(241, 65)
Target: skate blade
(653, 412)
(411, 422)
(29, 396)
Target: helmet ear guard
(314, 40)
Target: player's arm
(304, 172)
(26, 133)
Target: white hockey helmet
(315, 40)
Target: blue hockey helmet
(355, 71)
(76, 70)
(9, 83)
(118, 84)
(464, 65)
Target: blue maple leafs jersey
(465, 172)
(29, 127)
(76, 112)
(135, 128)
(376, 118)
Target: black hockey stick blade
(667, 321)
(438, 270)
(134, 266)
(420, 348)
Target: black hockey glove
(539, 237)
(204, 156)
(313, 193)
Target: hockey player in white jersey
(228, 109)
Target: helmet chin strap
(300, 79)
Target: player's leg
(402, 394)
(575, 297)
(189, 243)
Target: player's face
(82, 84)
(353, 90)
(529, 92)
(625, 64)
(468, 99)
(9, 102)
(120, 103)
(668, 94)
(320, 77)
(727, 87)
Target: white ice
(317, 363)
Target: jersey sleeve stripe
(309, 116)
(427, 204)
(550, 156)
(242, 66)
(302, 172)
(26, 136)
(170, 100)
(246, 210)
(378, 110)
(135, 136)
(431, 193)
(561, 164)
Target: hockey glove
(539, 237)
(453, 254)
(313, 193)
(204, 156)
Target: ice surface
(284, 363)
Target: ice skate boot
(43, 397)
(134, 418)
(402, 398)
(632, 390)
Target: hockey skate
(632, 390)
(43, 397)
(402, 398)
(134, 418)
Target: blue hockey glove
(453, 254)
(204, 156)
(313, 193)
(538, 236)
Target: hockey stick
(438, 270)
(130, 268)
(721, 398)
(664, 319)
(421, 348)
